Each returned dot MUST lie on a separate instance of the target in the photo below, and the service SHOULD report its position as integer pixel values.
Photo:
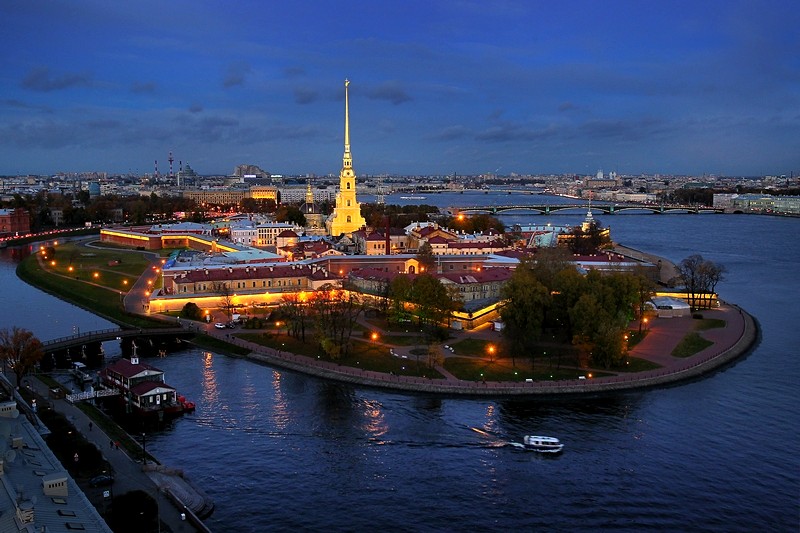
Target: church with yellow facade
(346, 217)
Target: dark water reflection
(280, 451)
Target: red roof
(252, 272)
(476, 244)
(125, 368)
(141, 389)
(287, 233)
(479, 276)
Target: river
(279, 451)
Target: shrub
(191, 311)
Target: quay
(180, 504)
(730, 342)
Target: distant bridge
(80, 339)
(569, 209)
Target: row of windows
(204, 287)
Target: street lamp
(490, 348)
(144, 450)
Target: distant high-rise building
(346, 217)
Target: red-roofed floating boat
(143, 389)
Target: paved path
(740, 333)
(128, 472)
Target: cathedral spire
(347, 160)
(346, 217)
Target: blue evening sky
(437, 87)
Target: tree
(335, 314)
(290, 213)
(225, 298)
(191, 311)
(398, 295)
(21, 350)
(700, 277)
(527, 300)
(296, 310)
(425, 257)
(599, 331)
(432, 299)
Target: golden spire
(347, 159)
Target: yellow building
(346, 217)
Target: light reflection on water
(280, 452)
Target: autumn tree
(335, 315)
(20, 350)
(296, 309)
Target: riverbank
(740, 330)
(179, 502)
(730, 342)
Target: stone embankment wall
(690, 368)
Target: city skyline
(437, 87)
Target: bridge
(569, 209)
(80, 339)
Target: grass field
(690, 345)
(83, 276)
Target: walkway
(128, 472)
(735, 339)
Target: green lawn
(477, 369)
(363, 354)
(101, 300)
(691, 344)
(709, 323)
(635, 364)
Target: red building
(14, 222)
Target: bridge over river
(82, 339)
(570, 209)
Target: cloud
(294, 72)
(195, 108)
(19, 104)
(631, 130)
(304, 95)
(390, 91)
(452, 133)
(235, 74)
(41, 79)
(567, 106)
(143, 87)
(509, 131)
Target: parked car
(220, 325)
(102, 480)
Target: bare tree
(225, 294)
(700, 278)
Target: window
(348, 203)
(348, 185)
(348, 219)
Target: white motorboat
(537, 443)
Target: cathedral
(346, 217)
(315, 220)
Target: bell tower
(346, 217)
